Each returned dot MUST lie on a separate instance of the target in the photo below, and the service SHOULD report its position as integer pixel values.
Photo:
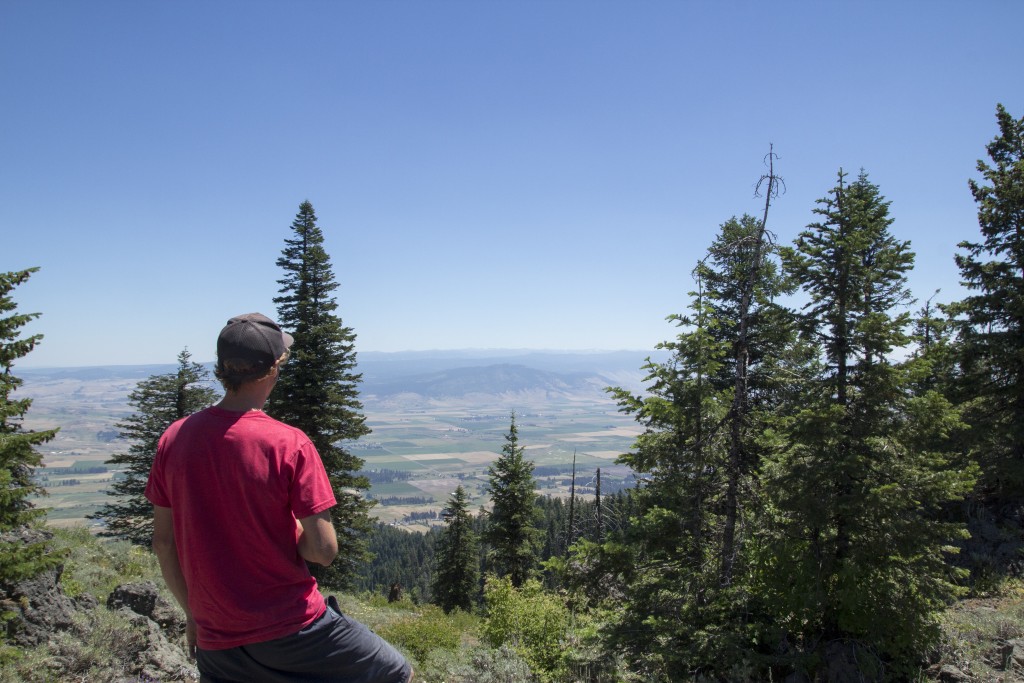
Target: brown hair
(233, 373)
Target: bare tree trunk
(572, 507)
(740, 403)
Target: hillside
(99, 637)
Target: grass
(975, 629)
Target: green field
(441, 446)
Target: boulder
(950, 674)
(144, 599)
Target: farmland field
(436, 444)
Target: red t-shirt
(236, 483)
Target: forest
(827, 463)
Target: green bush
(531, 621)
(420, 634)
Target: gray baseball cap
(252, 338)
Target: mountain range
(431, 374)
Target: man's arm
(167, 553)
(317, 541)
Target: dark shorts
(333, 649)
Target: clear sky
(489, 174)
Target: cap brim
(288, 340)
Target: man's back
(236, 483)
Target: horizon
(480, 353)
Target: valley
(437, 422)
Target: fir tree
(696, 458)
(317, 390)
(456, 555)
(990, 322)
(18, 454)
(512, 533)
(857, 553)
(158, 401)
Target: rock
(159, 659)
(38, 605)
(950, 674)
(86, 601)
(43, 614)
(1011, 655)
(144, 599)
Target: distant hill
(429, 374)
(449, 374)
(488, 379)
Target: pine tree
(317, 390)
(857, 551)
(511, 532)
(456, 556)
(990, 322)
(18, 454)
(158, 401)
(696, 460)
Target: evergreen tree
(696, 458)
(512, 533)
(158, 401)
(856, 554)
(456, 573)
(317, 390)
(18, 455)
(399, 556)
(990, 322)
(933, 343)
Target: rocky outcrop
(947, 673)
(158, 621)
(1011, 655)
(158, 659)
(149, 646)
(35, 608)
(144, 599)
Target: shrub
(476, 665)
(421, 634)
(531, 621)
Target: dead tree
(738, 452)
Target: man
(241, 502)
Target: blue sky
(487, 174)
